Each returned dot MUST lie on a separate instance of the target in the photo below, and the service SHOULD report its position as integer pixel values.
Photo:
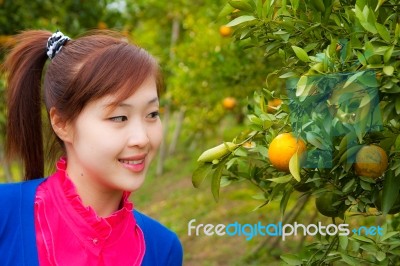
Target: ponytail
(23, 67)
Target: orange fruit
(282, 148)
(102, 25)
(225, 31)
(273, 104)
(325, 203)
(371, 161)
(229, 103)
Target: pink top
(68, 233)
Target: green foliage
(340, 62)
(72, 17)
(355, 250)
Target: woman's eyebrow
(124, 104)
(154, 100)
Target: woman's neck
(104, 203)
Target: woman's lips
(135, 164)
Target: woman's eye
(120, 118)
(154, 114)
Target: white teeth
(132, 162)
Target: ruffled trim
(102, 225)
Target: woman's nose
(138, 135)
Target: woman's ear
(62, 128)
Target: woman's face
(110, 148)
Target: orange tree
(340, 63)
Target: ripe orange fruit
(273, 104)
(371, 161)
(229, 103)
(225, 31)
(282, 148)
(325, 206)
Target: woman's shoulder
(10, 192)
(162, 244)
(15, 186)
(147, 222)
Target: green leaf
(343, 242)
(316, 141)
(361, 58)
(288, 75)
(295, 4)
(366, 186)
(353, 78)
(389, 235)
(285, 200)
(348, 187)
(362, 238)
(348, 156)
(388, 54)
(380, 3)
(216, 181)
(291, 259)
(281, 179)
(319, 67)
(301, 54)
(240, 152)
(383, 32)
(347, 141)
(240, 20)
(368, 79)
(388, 70)
(303, 87)
(226, 10)
(380, 256)
(365, 100)
(370, 248)
(267, 10)
(259, 7)
(397, 105)
(318, 5)
(391, 187)
(201, 172)
(294, 166)
(241, 5)
(348, 260)
(366, 18)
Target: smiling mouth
(137, 165)
(132, 162)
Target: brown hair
(85, 70)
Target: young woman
(101, 97)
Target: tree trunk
(162, 154)
(177, 131)
(163, 148)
